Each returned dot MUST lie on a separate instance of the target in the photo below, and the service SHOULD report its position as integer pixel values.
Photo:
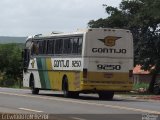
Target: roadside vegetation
(11, 65)
(140, 88)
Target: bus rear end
(108, 62)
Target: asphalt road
(86, 107)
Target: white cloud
(25, 17)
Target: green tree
(11, 62)
(142, 17)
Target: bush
(11, 64)
(7, 82)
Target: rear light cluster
(130, 73)
(85, 73)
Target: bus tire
(32, 86)
(106, 95)
(65, 89)
(74, 94)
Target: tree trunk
(20, 83)
(152, 82)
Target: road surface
(86, 107)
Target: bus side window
(80, 46)
(53, 47)
(67, 46)
(41, 47)
(35, 48)
(75, 45)
(45, 47)
(58, 46)
(50, 46)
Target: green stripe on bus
(45, 73)
(48, 65)
(40, 70)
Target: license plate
(108, 75)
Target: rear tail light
(84, 73)
(130, 73)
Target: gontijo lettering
(61, 63)
(109, 50)
(66, 63)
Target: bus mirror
(25, 55)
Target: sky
(30, 17)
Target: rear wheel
(66, 92)
(32, 86)
(106, 95)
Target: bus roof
(78, 32)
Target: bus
(96, 60)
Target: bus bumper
(103, 87)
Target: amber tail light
(84, 73)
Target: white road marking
(84, 102)
(31, 110)
(76, 118)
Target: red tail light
(130, 73)
(84, 73)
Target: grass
(136, 90)
(140, 85)
(15, 86)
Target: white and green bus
(98, 60)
